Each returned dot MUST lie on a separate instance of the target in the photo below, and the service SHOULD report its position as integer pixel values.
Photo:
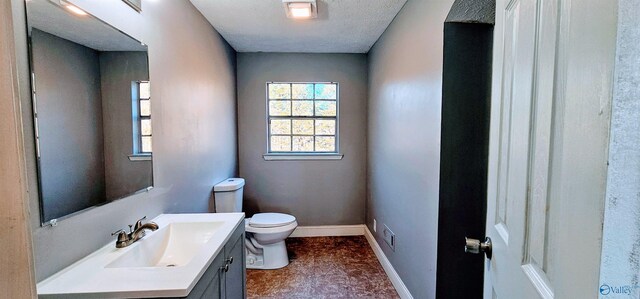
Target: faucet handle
(123, 238)
(117, 232)
(122, 235)
(139, 223)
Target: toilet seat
(269, 230)
(271, 220)
(270, 223)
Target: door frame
(17, 272)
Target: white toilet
(266, 232)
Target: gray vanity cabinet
(235, 278)
(226, 276)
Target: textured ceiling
(342, 26)
(84, 30)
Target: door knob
(475, 246)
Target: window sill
(135, 158)
(302, 157)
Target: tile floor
(324, 267)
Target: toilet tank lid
(264, 220)
(230, 184)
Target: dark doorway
(466, 99)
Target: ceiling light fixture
(70, 7)
(300, 9)
(74, 9)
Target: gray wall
(70, 124)
(405, 95)
(620, 265)
(193, 73)
(117, 71)
(316, 192)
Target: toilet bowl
(265, 232)
(265, 244)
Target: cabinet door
(214, 289)
(209, 285)
(235, 279)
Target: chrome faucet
(136, 233)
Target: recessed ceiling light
(300, 9)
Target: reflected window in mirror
(142, 133)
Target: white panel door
(527, 193)
(518, 268)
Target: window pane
(146, 144)
(280, 143)
(303, 143)
(145, 127)
(302, 91)
(303, 127)
(145, 90)
(279, 108)
(326, 91)
(325, 127)
(145, 108)
(302, 108)
(281, 126)
(325, 108)
(279, 91)
(325, 144)
(302, 117)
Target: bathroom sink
(171, 246)
(167, 262)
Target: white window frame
(138, 154)
(274, 156)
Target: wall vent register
(302, 118)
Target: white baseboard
(357, 230)
(328, 231)
(388, 268)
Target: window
(302, 117)
(141, 118)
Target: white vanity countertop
(91, 278)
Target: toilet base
(273, 256)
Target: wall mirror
(91, 109)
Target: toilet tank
(228, 195)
